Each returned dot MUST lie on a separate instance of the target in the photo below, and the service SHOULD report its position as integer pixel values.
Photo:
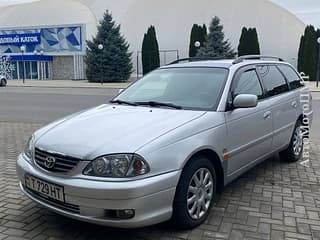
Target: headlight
(117, 166)
(29, 149)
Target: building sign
(20, 39)
(52, 40)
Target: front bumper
(88, 200)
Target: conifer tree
(198, 34)
(113, 62)
(249, 42)
(193, 39)
(308, 53)
(216, 44)
(300, 55)
(255, 47)
(150, 51)
(242, 48)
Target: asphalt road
(43, 105)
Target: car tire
(295, 149)
(193, 200)
(3, 83)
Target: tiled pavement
(274, 201)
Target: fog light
(125, 214)
(120, 214)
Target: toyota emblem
(50, 162)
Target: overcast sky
(7, 2)
(307, 10)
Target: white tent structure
(279, 30)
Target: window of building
(14, 72)
(34, 70)
(21, 68)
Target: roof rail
(196, 59)
(248, 57)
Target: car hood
(109, 129)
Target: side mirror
(245, 101)
(120, 90)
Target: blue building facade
(41, 52)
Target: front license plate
(49, 190)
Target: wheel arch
(215, 160)
(300, 118)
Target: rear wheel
(294, 152)
(195, 193)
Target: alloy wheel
(200, 193)
(297, 141)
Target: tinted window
(273, 80)
(248, 83)
(292, 76)
(196, 88)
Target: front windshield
(188, 88)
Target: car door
(249, 131)
(284, 104)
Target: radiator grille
(62, 164)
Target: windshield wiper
(123, 102)
(159, 104)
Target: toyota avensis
(162, 148)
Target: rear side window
(273, 80)
(248, 83)
(291, 75)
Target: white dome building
(54, 32)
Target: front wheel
(195, 193)
(294, 152)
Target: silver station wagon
(164, 147)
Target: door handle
(267, 115)
(294, 104)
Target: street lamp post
(23, 50)
(318, 67)
(100, 47)
(197, 45)
(43, 70)
(35, 52)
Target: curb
(57, 87)
(70, 85)
(95, 87)
(61, 84)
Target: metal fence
(166, 56)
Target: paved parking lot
(275, 200)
